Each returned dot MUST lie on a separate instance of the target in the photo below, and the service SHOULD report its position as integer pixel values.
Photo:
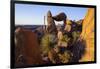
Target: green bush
(75, 35)
(47, 42)
(65, 57)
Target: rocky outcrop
(27, 49)
(61, 17)
(51, 27)
(88, 35)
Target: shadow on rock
(78, 50)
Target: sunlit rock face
(88, 35)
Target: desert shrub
(65, 38)
(47, 43)
(75, 35)
(65, 57)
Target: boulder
(61, 17)
(27, 49)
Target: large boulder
(61, 17)
(27, 49)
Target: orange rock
(88, 35)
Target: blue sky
(26, 14)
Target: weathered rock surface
(27, 49)
(51, 27)
(88, 35)
(61, 17)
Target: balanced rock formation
(61, 17)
